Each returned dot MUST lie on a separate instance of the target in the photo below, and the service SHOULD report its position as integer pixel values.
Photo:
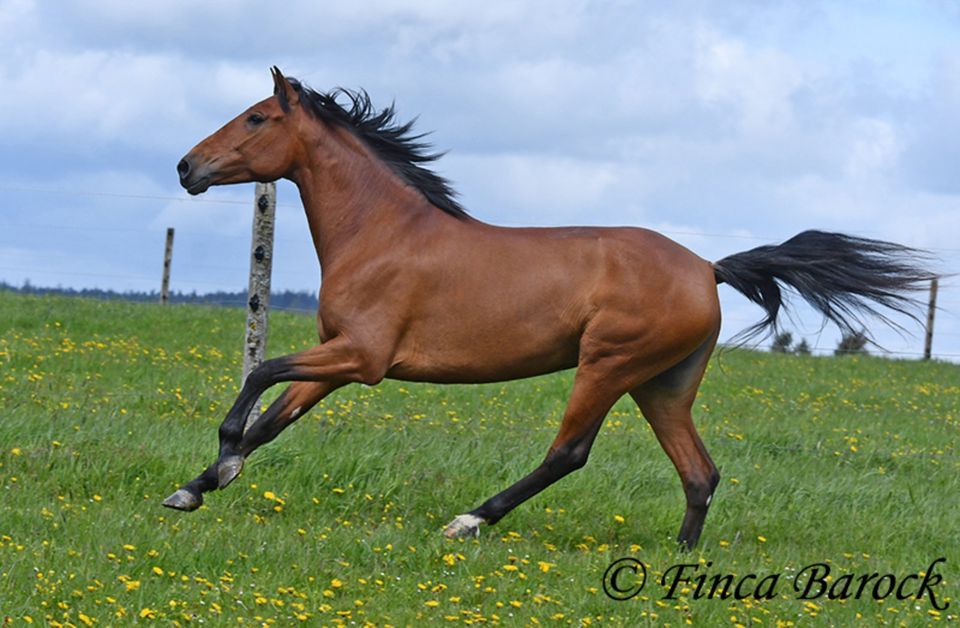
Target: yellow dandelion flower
(431, 603)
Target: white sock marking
(468, 521)
(464, 524)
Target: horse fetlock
(699, 492)
(228, 469)
(463, 526)
(230, 433)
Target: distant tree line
(287, 299)
(851, 343)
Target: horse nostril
(183, 168)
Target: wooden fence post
(931, 309)
(258, 292)
(167, 258)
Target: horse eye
(255, 119)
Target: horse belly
(486, 347)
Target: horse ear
(283, 90)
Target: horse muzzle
(195, 178)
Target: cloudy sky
(725, 125)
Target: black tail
(842, 276)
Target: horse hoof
(228, 469)
(463, 526)
(184, 500)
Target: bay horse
(413, 288)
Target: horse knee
(264, 375)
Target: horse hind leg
(594, 393)
(666, 401)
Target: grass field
(108, 407)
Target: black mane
(392, 141)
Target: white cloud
(756, 83)
(535, 188)
(874, 150)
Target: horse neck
(350, 196)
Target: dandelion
(619, 519)
(147, 612)
(272, 497)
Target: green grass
(108, 407)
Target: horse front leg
(317, 371)
(295, 401)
